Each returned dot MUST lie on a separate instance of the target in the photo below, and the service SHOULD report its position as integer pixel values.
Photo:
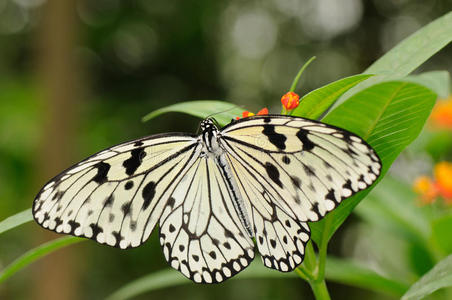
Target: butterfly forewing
(116, 196)
(307, 168)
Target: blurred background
(77, 76)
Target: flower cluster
(246, 113)
(439, 186)
(289, 101)
(441, 116)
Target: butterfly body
(260, 178)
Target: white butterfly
(261, 178)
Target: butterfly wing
(290, 171)
(200, 231)
(116, 196)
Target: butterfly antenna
(220, 112)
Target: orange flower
(443, 177)
(426, 188)
(442, 114)
(441, 186)
(246, 113)
(290, 100)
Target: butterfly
(214, 196)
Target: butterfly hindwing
(200, 232)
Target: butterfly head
(208, 124)
(209, 134)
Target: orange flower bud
(290, 100)
(263, 111)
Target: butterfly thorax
(209, 137)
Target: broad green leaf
(415, 49)
(441, 233)
(315, 103)
(35, 254)
(338, 270)
(353, 273)
(223, 112)
(391, 206)
(389, 116)
(437, 81)
(16, 220)
(169, 278)
(438, 277)
(408, 55)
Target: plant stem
(303, 273)
(297, 78)
(319, 289)
(323, 247)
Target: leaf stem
(320, 290)
(323, 248)
(297, 78)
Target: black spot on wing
(303, 137)
(102, 171)
(286, 159)
(273, 243)
(273, 173)
(148, 193)
(134, 161)
(126, 208)
(128, 185)
(277, 139)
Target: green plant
(387, 109)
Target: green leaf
(35, 254)
(170, 278)
(16, 220)
(222, 111)
(408, 55)
(352, 273)
(391, 207)
(437, 81)
(338, 270)
(315, 103)
(415, 49)
(441, 233)
(389, 116)
(440, 276)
